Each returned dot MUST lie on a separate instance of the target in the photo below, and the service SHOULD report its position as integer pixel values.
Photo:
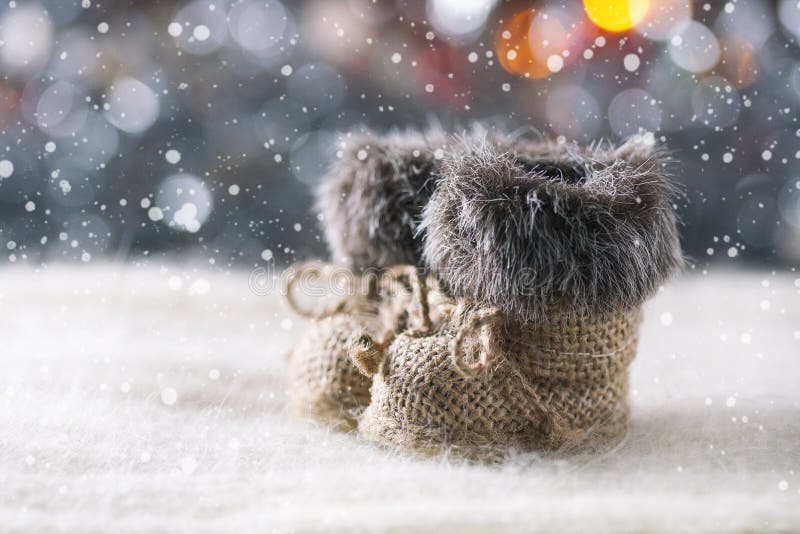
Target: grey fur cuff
(583, 229)
(372, 198)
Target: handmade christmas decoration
(539, 269)
(539, 256)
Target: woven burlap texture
(480, 383)
(323, 382)
(435, 373)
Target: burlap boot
(483, 386)
(370, 203)
(545, 268)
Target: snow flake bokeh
(201, 127)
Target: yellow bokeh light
(616, 15)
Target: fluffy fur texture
(372, 197)
(537, 225)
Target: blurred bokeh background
(133, 129)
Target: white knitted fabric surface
(148, 399)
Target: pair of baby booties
(493, 289)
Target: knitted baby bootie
(546, 264)
(370, 202)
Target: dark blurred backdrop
(131, 129)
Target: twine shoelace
(369, 290)
(371, 293)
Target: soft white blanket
(152, 399)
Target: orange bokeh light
(9, 105)
(513, 47)
(616, 15)
(739, 62)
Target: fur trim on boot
(372, 197)
(585, 229)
